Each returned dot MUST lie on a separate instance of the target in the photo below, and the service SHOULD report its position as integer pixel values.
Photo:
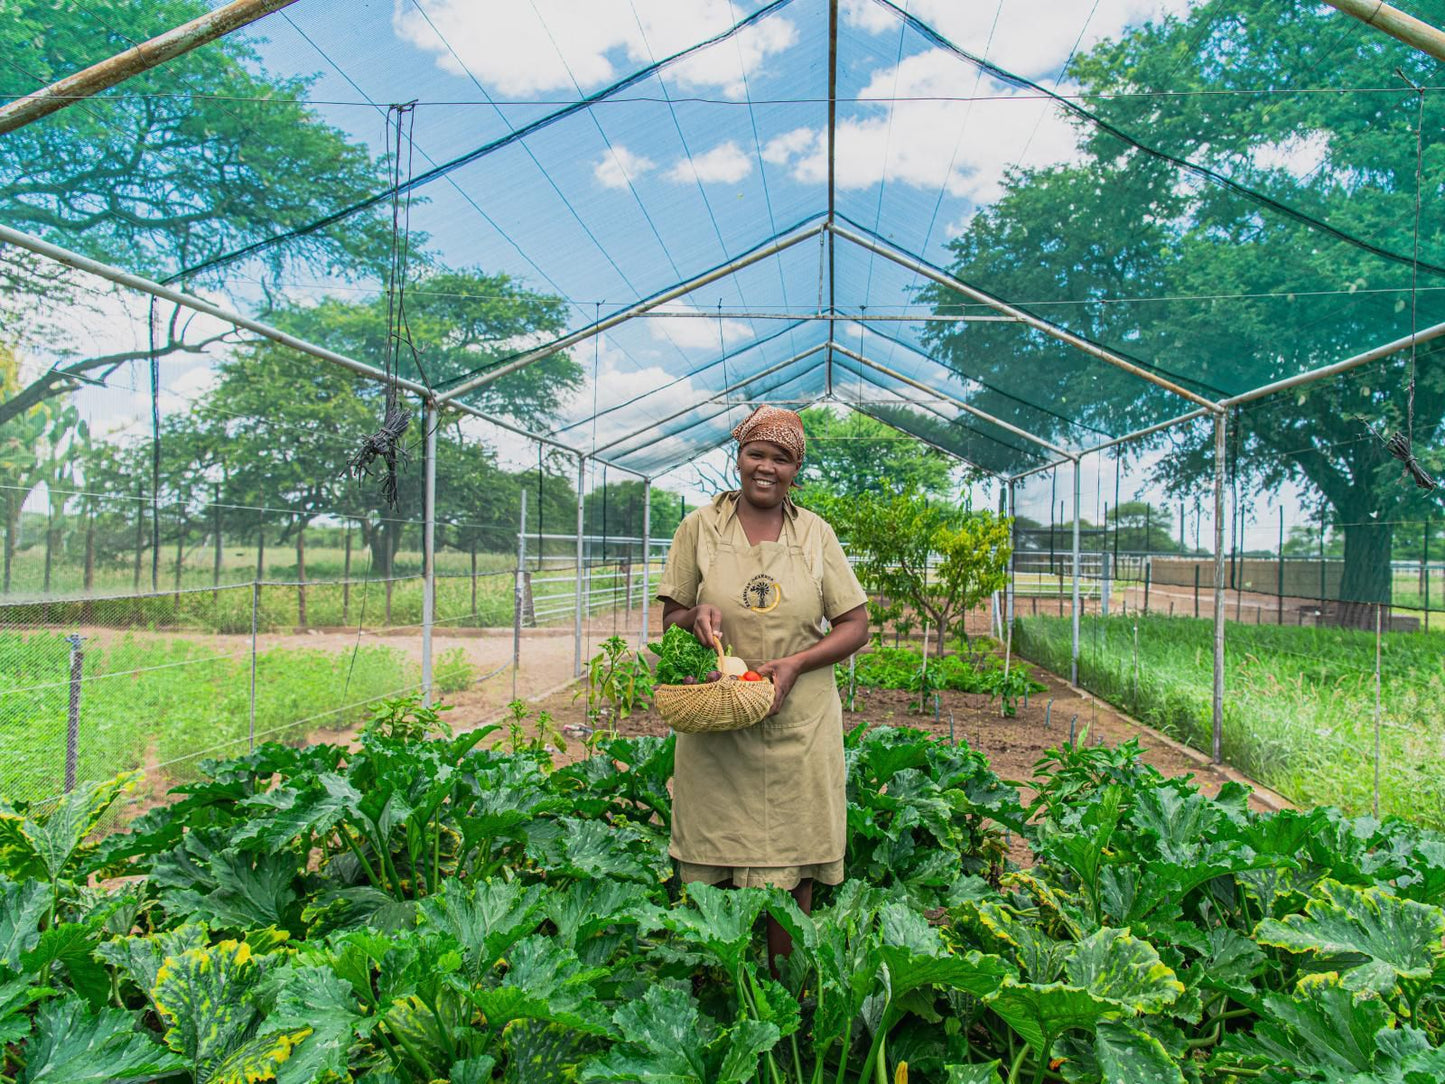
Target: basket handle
(717, 641)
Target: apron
(771, 794)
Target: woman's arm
(704, 621)
(849, 633)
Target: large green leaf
(977, 1073)
(315, 999)
(662, 1042)
(1128, 1055)
(545, 981)
(1114, 964)
(139, 958)
(51, 846)
(584, 909)
(1040, 1014)
(1392, 939)
(1323, 1028)
(205, 879)
(71, 1046)
(205, 998)
(22, 906)
(718, 921)
(1179, 819)
(485, 919)
(72, 945)
(278, 817)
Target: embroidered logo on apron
(762, 593)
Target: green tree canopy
(1257, 294)
(855, 454)
(190, 161)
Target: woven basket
(726, 704)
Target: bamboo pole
(148, 54)
(1419, 35)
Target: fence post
(1105, 575)
(1426, 561)
(1217, 701)
(219, 544)
(140, 524)
(1196, 588)
(346, 579)
(428, 549)
(1148, 575)
(581, 560)
(1279, 576)
(1379, 608)
(255, 609)
(72, 725)
(1074, 646)
(646, 560)
(300, 572)
(518, 591)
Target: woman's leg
(779, 943)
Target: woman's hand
(707, 624)
(782, 673)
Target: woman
(766, 805)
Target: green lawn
(166, 702)
(1299, 702)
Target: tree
(183, 164)
(1143, 528)
(854, 454)
(926, 557)
(615, 510)
(1277, 296)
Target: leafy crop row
(1299, 702)
(974, 672)
(427, 909)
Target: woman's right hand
(707, 624)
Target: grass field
(462, 602)
(1299, 702)
(162, 703)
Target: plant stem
(1013, 1072)
(843, 1053)
(351, 843)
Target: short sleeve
(841, 590)
(680, 576)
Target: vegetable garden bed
(430, 909)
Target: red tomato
(752, 675)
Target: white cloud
(724, 164)
(788, 145)
(963, 146)
(557, 45)
(1033, 41)
(619, 166)
(1299, 155)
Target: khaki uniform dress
(765, 805)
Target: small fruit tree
(932, 559)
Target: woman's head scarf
(774, 424)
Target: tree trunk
(1366, 579)
(301, 575)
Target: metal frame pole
(732, 266)
(255, 607)
(1221, 426)
(72, 723)
(519, 598)
(428, 547)
(581, 558)
(139, 58)
(646, 560)
(1074, 634)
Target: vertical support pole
(581, 560)
(428, 550)
(216, 526)
(1379, 610)
(1427, 573)
(72, 725)
(646, 561)
(1012, 559)
(1279, 578)
(1074, 646)
(1217, 701)
(255, 609)
(519, 595)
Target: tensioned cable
(912, 349)
(676, 380)
(627, 177)
(514, 136)
(1153, 367)
(1202, 172)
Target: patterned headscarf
(781, 427)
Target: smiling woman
(766, 805)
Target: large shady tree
(173, 169)
(1262, 294)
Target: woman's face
(767, 471)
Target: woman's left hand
(782, 673)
